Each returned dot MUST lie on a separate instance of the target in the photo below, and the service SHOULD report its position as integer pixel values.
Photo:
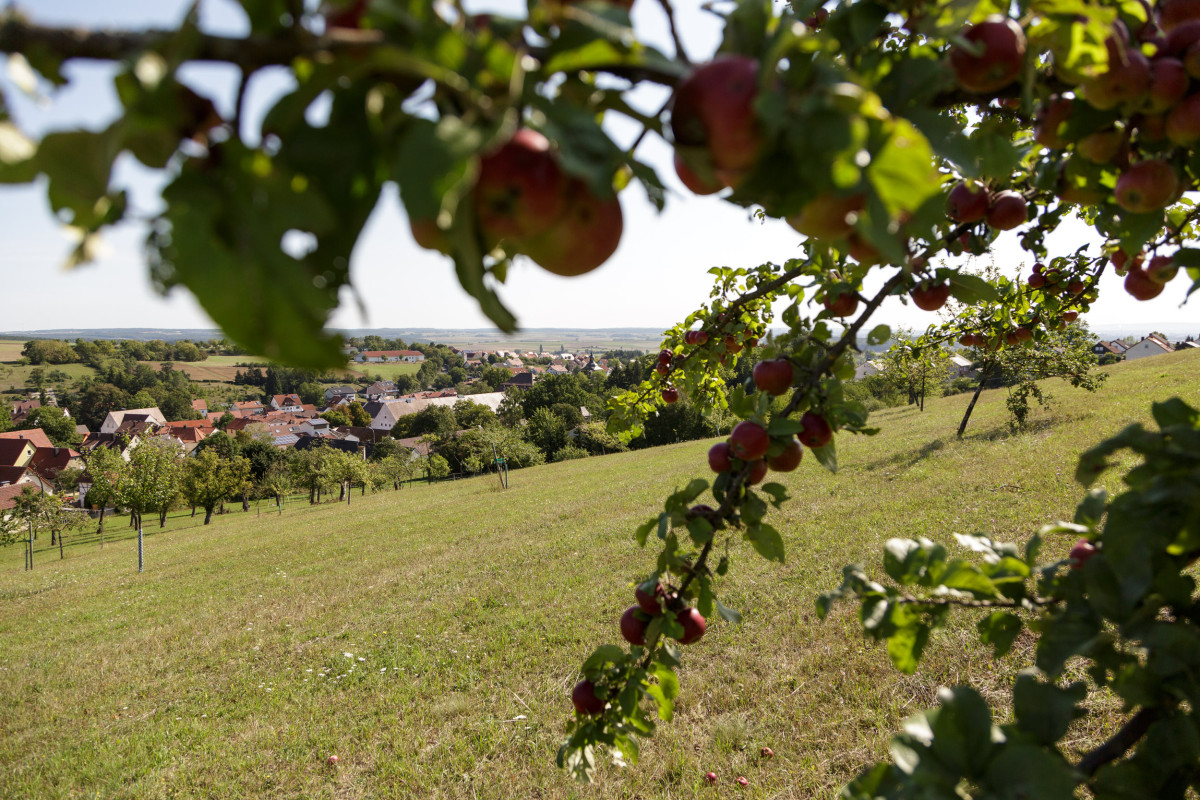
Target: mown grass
(389, 370)
(429, 637)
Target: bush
(569, 452)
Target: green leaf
(999, 629)
(1045, 711)
(778, 493)
(754, 508)
(827, 456)
(767, 541)
(664, 691)
(643, 531)
(903, 171)
(962, 731)
(971, 289)
(601, 657)
(906, 643)
(700, 530)
(967, 577)
(728, 614)
(1028, 772)
(879, 334)
(784, 426)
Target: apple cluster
(525, 201)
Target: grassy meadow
(430, 637)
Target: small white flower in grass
(360, 658)
(348, 655)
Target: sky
(657, 276)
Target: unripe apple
(930, 297)
(583, 696)
(1101, 147)
(967, 202)
(1162, 269)
(1146, 186)
(999, 44)
(828, 217)
(749, 440)
(521, 190)
(670, 395)
(633, 625)
(1141, 286)
(1081, 552)
(693, 624)
(1007, 211)
(774, 376)
(714, 108)
(815, 432)
(719, 457)
(789, 459)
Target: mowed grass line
(472, 609)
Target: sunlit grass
(429, 637)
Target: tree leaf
(999, 629)
(766, 541)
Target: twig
(680, 51)
(1122, 740)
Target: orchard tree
(105, 468)
(150, 481)
(892, 135)
(916, 368)
(42, 512)
(209, 480)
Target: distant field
(10, 349)
(430, 637)
(13, 376)
(388, 370)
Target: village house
(115, 419)
(867, 368)
(340, 391)
(380, 356)
(200, 405)
(248, 408)
(1105, 348)
(1152, 345)
(522, 380)
(286, 402)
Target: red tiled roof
(200, 405)
(8, 494)
(12, 474)
(35, 435)
(48, 462)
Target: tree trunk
(102, 526)
(53, 537)
(193, 511)
(922, 390)
(162, 517)
(342, 493)
(245, 502)
(60, 546)
(208, 514)
(364, 489)
(311, 493)
(983, 378)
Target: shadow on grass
(1007, 431)
(910, 459)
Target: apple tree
(892, 135)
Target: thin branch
(680, 51)
(1129, 735)
(949, 600)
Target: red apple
(345, 15)
(1168, 84)
(1052, 117)
(719, 456)
(732, 345)
(758, 471)
(585, 699)
(670, 395)
(583, 238)
(333, 760)
(1070, 316)
(816, 431)
(697, 338)
(1183, 123)
(1036, 280)
(1146, 186)
(714, 108)
(967, 202)
(661, 368)
(1181, 37)
(711, 777)
(665, 356)
(999, 45)
(863, 251)
(766, 752)
(649, 597)
(1075, 287)
(1176, 12)
(1162, 269)
(1191, 61)
(633, 625)
(789, 459)
(742, 781)
(427, 234)
(693, 624)
(1141, 286)
(749, 440)
(1080, 553)
(828, 217)
(521, 190)
(774, 376)
(843, 304)
(1101, 147)
(692, 181)
(1007, 211)
(930, 296)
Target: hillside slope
(429, 637)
